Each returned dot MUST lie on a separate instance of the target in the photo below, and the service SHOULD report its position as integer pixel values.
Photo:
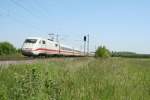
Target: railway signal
(84, 39)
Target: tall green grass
(77, 79)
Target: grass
(77, 79)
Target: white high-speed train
(35, 46)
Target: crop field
(77, 79)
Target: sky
(120, 25)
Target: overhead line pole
(88, 41)
(57, 38)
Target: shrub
(102, 51)
(7, 48)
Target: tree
(102, 51)
(7, 48)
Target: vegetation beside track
(77, 79)
(130, 55)
(8, 52)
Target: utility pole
(88, 41)
(81, 48)
(57, 38)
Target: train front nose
(28, 46)
(27, 51)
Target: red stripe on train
(51, 50)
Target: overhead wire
(19, 4)
(2, 12)
(23, 7)
(37, 3)
(26, 9)
(16, 19)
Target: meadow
(77, 79)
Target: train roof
(66, 46)
(34, 38)
(62, 45)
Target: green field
(77, 79)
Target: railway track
(14, 58)
(14, 62)
(26, 60)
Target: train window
(43, 42)
(30, 40)
(56, 45)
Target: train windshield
(30, 41)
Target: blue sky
(120, 25)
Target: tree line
(7, 48)
(102, 51)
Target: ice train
(36, 46)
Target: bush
(102, 51)
(7, 48)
